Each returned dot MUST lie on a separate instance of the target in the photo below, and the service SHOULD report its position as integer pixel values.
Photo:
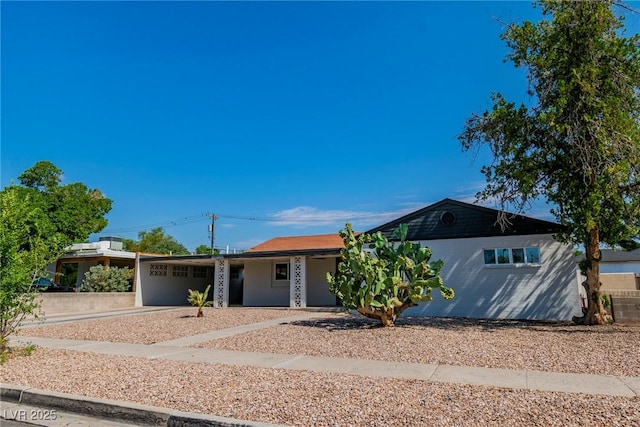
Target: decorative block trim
(159, 270)
(298, 282)
(221, 284)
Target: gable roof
(293, 243)
(451, 219)
(614, 255)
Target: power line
(206, 216)
(163, 224)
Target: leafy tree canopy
(73, 211)
(44, 176)
(39, 218)
(206, 250)
(61, 214)
(157, 242)
(203, 250)
(578, 144)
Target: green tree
(18, 267)
(206, 250)
(578, 145)
(107, 279)
(382, 283)
(203, 250)
(73, 210)
(39, 218)
(157, 242)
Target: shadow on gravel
(462, 324)
(337, 323)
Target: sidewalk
(525, 380)
(179, 350)
(88, 315)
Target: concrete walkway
(178, 350)
(89, 315)
(516, 379)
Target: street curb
(117, 410)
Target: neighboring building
(620, 270)
(78, 258)
(518, 273)
(618, 261)
(165, 280)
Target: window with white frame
(512, 256)
(280, 274)
(180, 271)
(281, 271)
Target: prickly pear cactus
(386, 279)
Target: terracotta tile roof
(318, 241)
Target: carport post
(221, 284)
(298, 282)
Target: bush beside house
(107, 279)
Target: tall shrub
(107, 279)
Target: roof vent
(448, 218)
(115, 243)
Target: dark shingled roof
(451, 219)
(613, 255)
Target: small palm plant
(199, 299)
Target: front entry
(236, 281)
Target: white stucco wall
(168, 290)
(317, 287)
(547, 291)
(259, 287)
(261, 290)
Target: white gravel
(309, 399)
(540, 346)
(323, 399)
(151, 328)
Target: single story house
(281, 272)
(518, 273)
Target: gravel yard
(325, 399)
(541, 346)
(156, 327)
(309, 399)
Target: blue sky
(282, 118)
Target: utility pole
(212, 229)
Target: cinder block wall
(78, 302)
(625, 305)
